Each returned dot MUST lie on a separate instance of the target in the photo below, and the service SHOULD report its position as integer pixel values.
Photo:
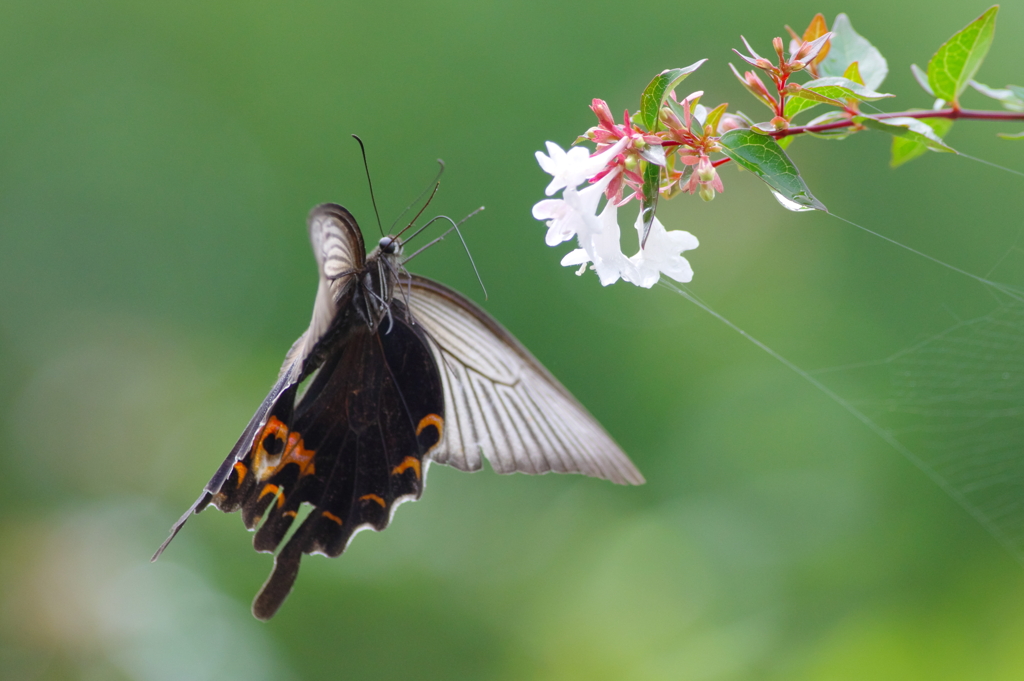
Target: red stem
(940, 113)
(780, 87)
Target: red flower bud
(603, 113)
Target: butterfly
(395, 371)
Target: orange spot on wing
(437, 422)
(431, 420)
(266, 465)
(373, 497)
(296, 453)
(241, 470)
(331, 516)
(273, 489)
(290, 514)
(407, 463)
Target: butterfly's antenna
(373, 200)
(432, 188)
(453, 228)
(417, 216)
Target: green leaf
(806, 98)
(910, 128)
(714, 116)
(1011, 135)
(1008, 97)
(848, 46)
(852, 72)
(795, 105)
(922, 79)
(763, 156)
(958, 59)
(832, 90)
(651, 190)
(844, 88)
(906, 149)
(657, 90)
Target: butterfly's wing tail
(366, 425)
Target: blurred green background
(157, 162)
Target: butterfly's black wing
(352, 448)
(500, 402)
(340, 253)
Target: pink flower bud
(756, 83)
(730, 122)
(705, 171)
(603, 113)
(669, 118)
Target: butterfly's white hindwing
(502, 403)
(339, 251)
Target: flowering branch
(950, 113)
(674, 146)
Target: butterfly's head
(390, 245)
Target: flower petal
(662, 255)
(567, 168)
(575, 258)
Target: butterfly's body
(401, 371)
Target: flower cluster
(664, 150)
(685, 133)
(669, 146)
(598, 234)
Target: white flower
(661, 255)
(574, 167)
(574, 214)
(602, 248)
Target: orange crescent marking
(407, 463)
(373, 497)
(431, 420)
(241, 470)
(290, 514)
(273, 489)
(331, 516)
(274, 427)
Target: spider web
(956, 401)
(952, 404)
